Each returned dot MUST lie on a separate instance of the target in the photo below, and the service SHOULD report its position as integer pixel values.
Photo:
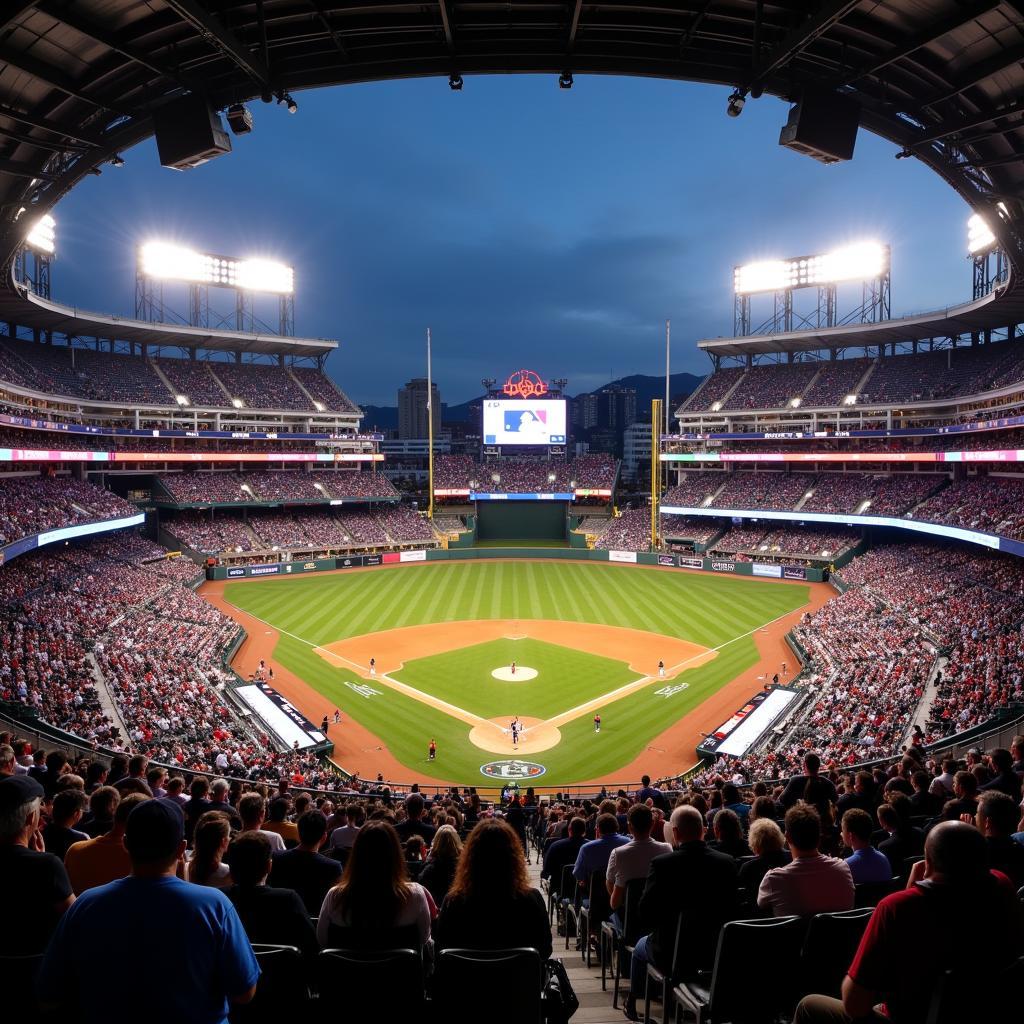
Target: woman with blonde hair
(439, 871)
(491, 904)
(209, 843)
(768, 844)
(375, 894)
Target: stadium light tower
(159, 261)
(987, 260)
(41, 243)
(867, 262)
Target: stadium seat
(616, 945)
(730, 996)
(568, 900)
(282, 988)
(356, 979)
(956, 996)
(594, 911)
(868, 894)
(501, 986)
(374, 940)
(17, 983)
(829, 948)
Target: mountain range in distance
(385, 417)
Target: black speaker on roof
(189, 132)
(822, 125)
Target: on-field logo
(671, 691)
(512, 769)
(363, 690)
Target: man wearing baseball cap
(152, 909)
(34, 887)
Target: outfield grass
(565, 678)
(708, 610)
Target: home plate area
(520, 674)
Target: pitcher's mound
(495, 736)
(522, 674)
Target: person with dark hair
(923, 802)
(811, 883)
(209, 844)
(904, 840)
(732, 801)
(1004, 778)
(413, 824)
(68, 808)
(728, 831)
(34, 886)
(104, 859)
(564, 851)
(102, 804)
(917, 934)
(693, 881)
(375, 893)
(863, 796)
(277, 821)
(304, 868)
(491, 904)
(633, 859)
(797, 785)
(865, 862)
(252, 809)
(270, 915)
(151, 909)
(198, 804)
(135, 780)
(57, 764)
(593, 856)
(996, 820)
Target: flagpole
(430, 434)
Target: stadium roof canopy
(970, 317)
(80, 81)
(26, 308)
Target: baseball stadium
(794, 593)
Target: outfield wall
(723, 566)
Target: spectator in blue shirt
(866, 863)
(593, 856)
(151, 909)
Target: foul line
(562, 718)
(424, 698)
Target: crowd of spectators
(692, 528)
(694, 487)
(993, 504)
(594, 471)
(132, 380)
(775, 490)
(771, 386)
(283, 486)
(34, 504)
(630, 531)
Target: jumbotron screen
(530, 421)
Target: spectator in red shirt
(917, 934)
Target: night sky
(526, 225)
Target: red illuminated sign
(525, 384)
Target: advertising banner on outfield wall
(372, 560)
(390, 558)
(717, 566)
(235, 570)
(687, 562)
(666, 559)
(349, 562)
(794, 572)
(264, 570)
(412, 556)
(621, 556)
(767, 569)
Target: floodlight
(767, 276)
(734, 107)
(850, 400)
(862, 261)
(165, 260)
(264, 276)
(979, 235)
(552, 478)
(236, 402)
(795, 403)
(715, 406)
(42, 236)
(181, 399)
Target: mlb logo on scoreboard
(517, 420)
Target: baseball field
(585, 640)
